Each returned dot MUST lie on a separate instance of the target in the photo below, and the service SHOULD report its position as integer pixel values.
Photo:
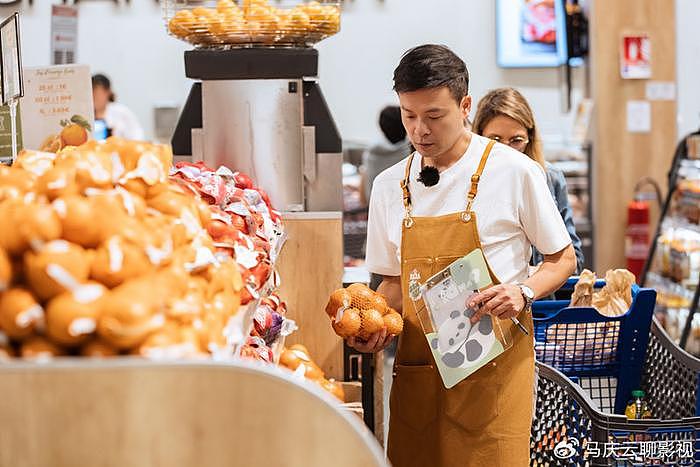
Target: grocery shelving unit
(682, 296)
(578, 174)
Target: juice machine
(261, 111)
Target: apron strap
(404, 186)
(477, 175)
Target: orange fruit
(74, 135)
(393, 323)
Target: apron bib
(483, 420)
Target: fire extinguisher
(637, 236)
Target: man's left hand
(503, 301)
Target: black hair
(432, 66)
(391, 124)
(102, 80)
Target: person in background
(113, 118)
(504, 115)
(385, 154)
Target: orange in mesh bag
(359, 312)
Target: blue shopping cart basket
(604, 355)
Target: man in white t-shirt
(458, 193)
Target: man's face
(433, 119)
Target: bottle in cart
(637, 408)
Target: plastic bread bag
(616, 297)
(583, 291)
(458, 347)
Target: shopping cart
(568, 430)
(604, 355)
(573, 425)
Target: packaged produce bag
(583, 290)
(459, 348)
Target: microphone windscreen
(429, 176)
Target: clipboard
(458, 347)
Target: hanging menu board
(57, 110)
(10, 61)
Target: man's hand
(376, 342)
(503, 301)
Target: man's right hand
(376, 342)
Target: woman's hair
(510, 103)
(391, 125)
(102, 81)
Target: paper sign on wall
(58, 100)
(635, 57)
(661, 91)
(64, 34)
(638, 116)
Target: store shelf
(673, 265)
(572, 167)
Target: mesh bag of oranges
(360, 312)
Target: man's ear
(466, 106)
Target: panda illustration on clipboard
(459, 343)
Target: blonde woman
(505, 116)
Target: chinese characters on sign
(642, 450)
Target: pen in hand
(519, 324)
(513, 319)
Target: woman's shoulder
(555, 175)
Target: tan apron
(483, 421)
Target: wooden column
(622, 158)
(311, 267)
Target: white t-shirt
(123, 122)
(513, 206)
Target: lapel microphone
(429, 176)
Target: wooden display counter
(127, 412)
(311, 268)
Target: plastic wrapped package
(583, 290)
(616, 297)
(242, 223)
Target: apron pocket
(414, 395)
(473, 403)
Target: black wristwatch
(528, 295)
